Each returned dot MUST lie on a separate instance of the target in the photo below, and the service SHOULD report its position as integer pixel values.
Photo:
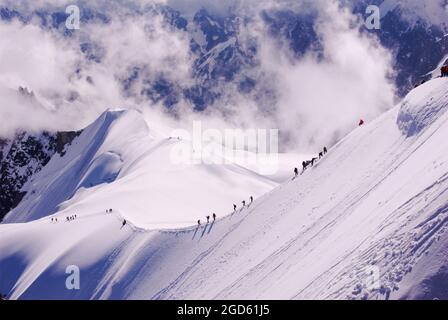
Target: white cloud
(311, 101)
(74, 90)
(321, 100)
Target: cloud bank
(313, 100)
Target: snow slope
(375, 205)
(119, 162)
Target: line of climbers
(306, 163)
(74, 216)
(234, 210)
(68, 218)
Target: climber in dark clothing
(304, 165)
(312, 161)
(124, 223)
(214, 217)
(325, 150)
(244, 203)
(321, 154)
(444, 71)
(251, 199)
(199, 222)
(208, 219)
(296, 172)
(234, 207)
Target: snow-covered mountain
(22, 157)
(368, 221)
(120, 162)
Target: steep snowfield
(376, 204)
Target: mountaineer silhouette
(444, 71)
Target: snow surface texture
(375, 205)
(119, 162)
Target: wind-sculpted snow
(119, 162)
(59, 180)
(422, 107)
(368, 221)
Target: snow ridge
(368, 221)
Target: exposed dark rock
(22, 157)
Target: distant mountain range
(417, 45)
